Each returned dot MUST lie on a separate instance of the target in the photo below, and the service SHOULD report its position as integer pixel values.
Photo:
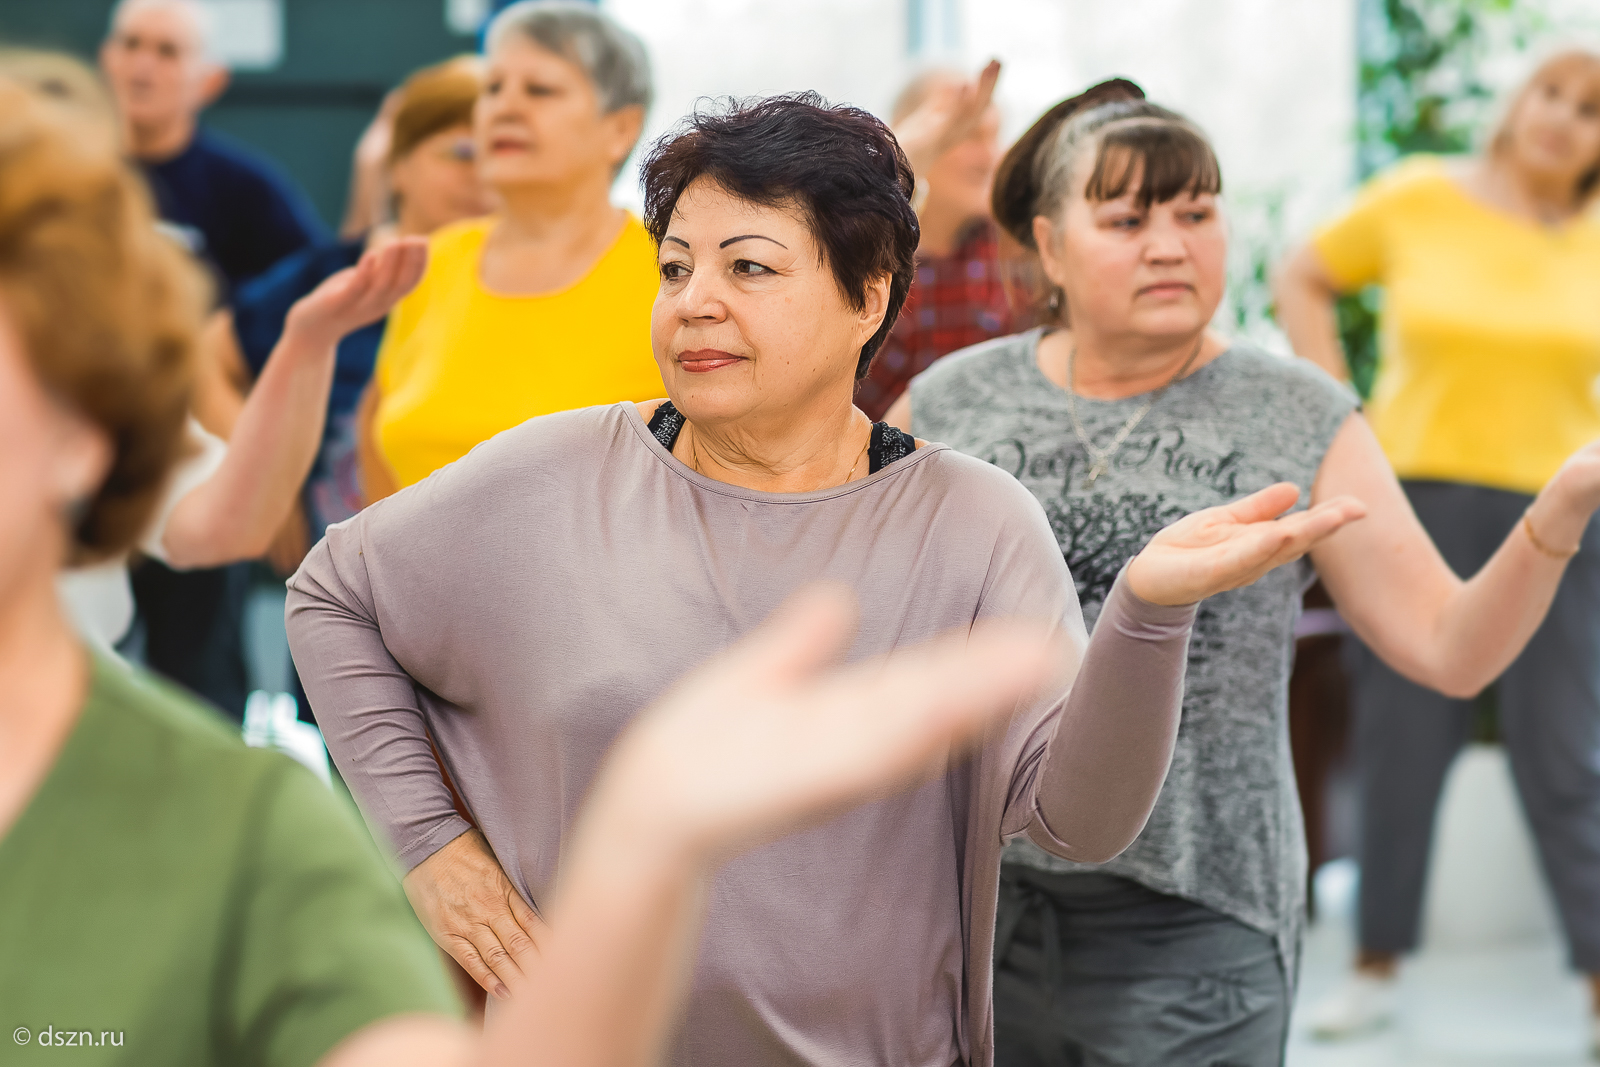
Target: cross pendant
(1095, 471)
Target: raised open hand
(768, 736)
(946, 118)
(360, 294)
(1225, 547)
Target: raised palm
(1225, 547)
(770, 734)
(361, 294)
(946, 118)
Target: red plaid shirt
(955, 301)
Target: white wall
(1273, 81)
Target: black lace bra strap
(888, 444)
(666, 424)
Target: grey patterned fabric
(1227, 831)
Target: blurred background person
(949, 128)
(238, 211)
(1491, 350)
(248, 918)
(430, 181)
(544, 306)
(240, 215)
(224, 499)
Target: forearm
(1105, 765)
(1486, 621)
(1305, 310)
(235, 513)
(615, 966)
(366, 703)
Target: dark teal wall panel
(340, 56)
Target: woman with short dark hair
(520, 606)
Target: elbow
(1461, 689)
(192, 546)
(1102, 854)
(1096, 846)
(1451, 680)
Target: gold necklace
(1101, 457)
(694, 459)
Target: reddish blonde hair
(433, 100)
(108, 309)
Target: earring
(1054, 303)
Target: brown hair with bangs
(435, 99)
(1162, 157)
(1137, 145)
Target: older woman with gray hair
(544, 306)
(517, 609)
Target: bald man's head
(157, 61)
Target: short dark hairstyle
(839, 165)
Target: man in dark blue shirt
(233, 207)
(239, 214)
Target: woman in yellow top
(546, 305)
(1488, 380)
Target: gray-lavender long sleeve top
(521, 605)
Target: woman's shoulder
(1415, 177)
(1293, 407)
(976, 369)
(988, 495)
(1253, 372)
(143, 744)
(449, 244)
(546, 451)
(632, 256)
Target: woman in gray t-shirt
(1125, 412)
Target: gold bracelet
(1533, 538)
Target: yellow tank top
(1490, 342)
(459, 363)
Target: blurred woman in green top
(171, 894)
(1490, 357)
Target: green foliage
(1358, 329)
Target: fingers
(414, 262)
(525, 916)
(1287, 539)
(898, 711)
(470, 956)
(504, 946)
(1264, 504)
(1301, 532)
(951, 690)
(986, 83)
(805, 634)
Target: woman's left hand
(358, 295)
(946, 118)
(1225, 547)
(1563, 508)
